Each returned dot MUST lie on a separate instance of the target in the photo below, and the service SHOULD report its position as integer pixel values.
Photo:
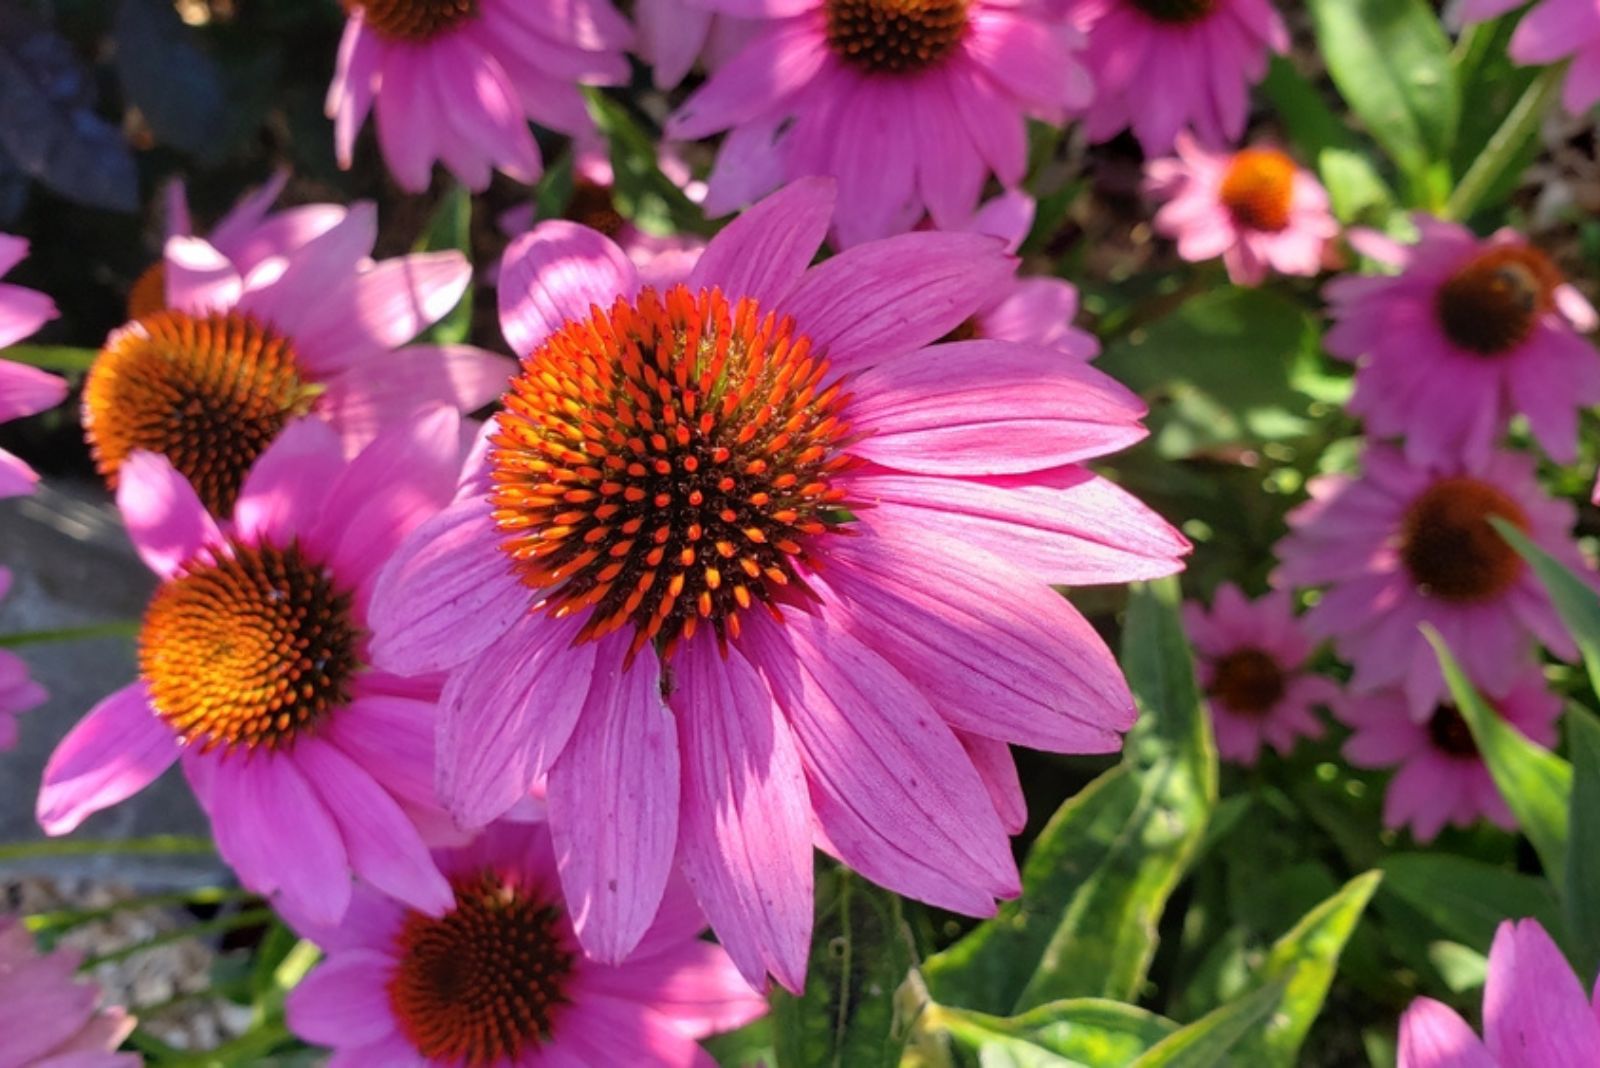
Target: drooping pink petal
(375, 393)
(384, 848)
(381, 308)
(27, 390)
(746, 832)
(163, 515)
(613, 799)
(892, 788)
(115, 751)
(505, 719)
(288, 484)
(198, 277)
(693, 984)
(279, 835)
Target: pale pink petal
(27, 390)
(318, 270)
(288, 484)
(375, 393)
(380, 309)
(746, 831)
(199, 279)
(446, 594)
(115, 751)
(613, 799)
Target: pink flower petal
(27, 390)
(1433, 1036)
(989, 408)
(372, 394)
(274, 830)
(613, 799)
(555, 274)
(506, 718)
(345, 1000)
(289, 483)
(115, 751)
(446, 594)
(384, 848)
(199, 278)
(763, 252)
(694, 985)
(380, 309)
(163, 514)
(1535, 1012)
(891, 297)
(746, 833)
(891, 786)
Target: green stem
(54, 923)
(1520, 124)
(156, 846)
(61, 358)
(220, 925)
(117, 628)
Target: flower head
(1252, 661)
(1535, 1012)
(18, 692)
(23, 390)
(255, 673)
(46, 1018)
(1256, 208)
(458, 80)
(718, 577)
(211, 380)
(909, 104)
(1493, 318)
(499, 978)
(1403, 545)
(1440, 777)
(1551, 31)
(1164, 66)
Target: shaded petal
(446, 594)
(1432, 1035)
(613, 798)
(384, 847)
(504, 721)
(345, 1000)
(115, 751)
(693, 984)
(381, 308)
(746, 833)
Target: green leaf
(1218, 371)
(1466, 899)
(1100, 873)
(1355, 188)
(748, 1047)
(1492, 89)
(861, 952)
(1574, 599)
(1583, 855)
(554, 191)
(648, 198)
(1304, 961)
(1536, 784)
(451, 229)
(1391, 62)
(1090, 1032)
(63, 359)
(1211, 1041)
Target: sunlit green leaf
(1100, 873)
(1213, 1041)
(1536, 784)
(1090, 1032)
